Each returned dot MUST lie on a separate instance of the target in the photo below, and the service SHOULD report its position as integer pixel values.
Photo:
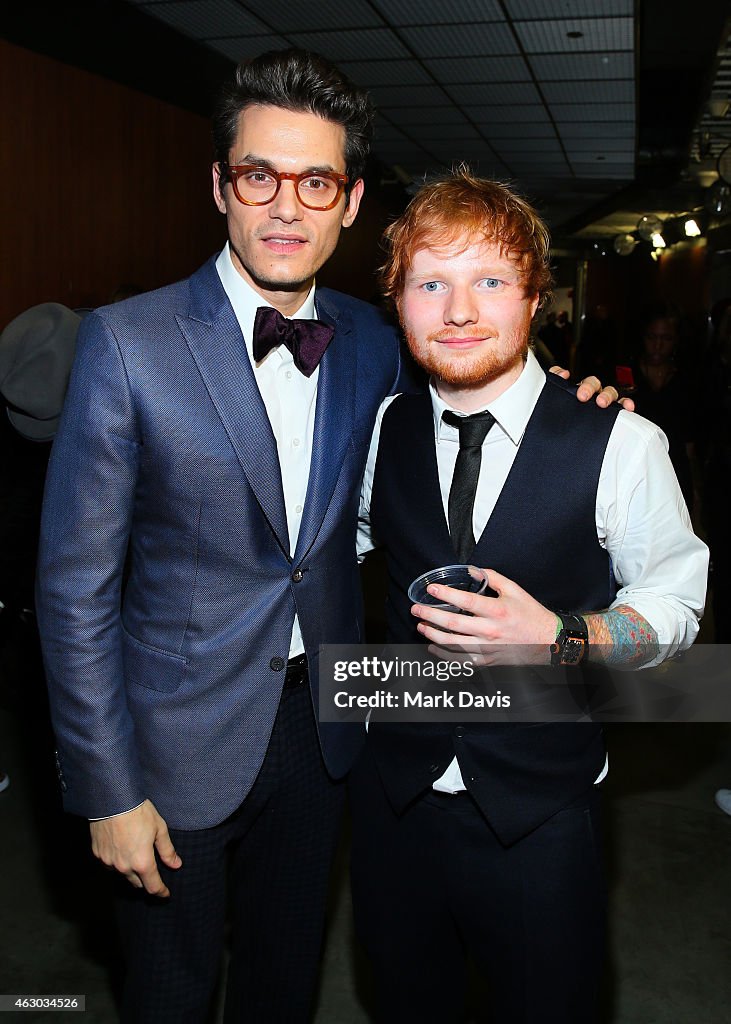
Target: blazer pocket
(149, 667)
(360, 438)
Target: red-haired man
(483, 840)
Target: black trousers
(435, 886)
(268, 867)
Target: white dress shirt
(289, 397)
(661, 567)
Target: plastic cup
(461, 577)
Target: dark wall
(101, 185)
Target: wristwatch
(571, 642)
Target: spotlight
(691, 228)
(624, 244)
(657, 240)
(648, 226)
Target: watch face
(572, 651)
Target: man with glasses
(199, 544)
(205, 444)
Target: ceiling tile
(292, 16)
(528, 145)
(602, 157)
(500, 115)
(609, 91)
(369, 73)
(537, 165)
(341, 46)
(594, 146)
(518, 131)
(422, 115)
(204, 19)
(542, 161)
(402, 146)
(622, 172)
(568, 8)
(567, 66)
(461, 132)
(403, 154)
(477, 69)
(435, 12)
(494, 93)
(596, 34)
(467, 152)
(474, 40)
(588, 112)
(386, 132)
(602, 130)
(385, 96)
(246, 47)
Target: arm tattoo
(623, 636)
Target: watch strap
(571, 641)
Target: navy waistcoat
(542, 535)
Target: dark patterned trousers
(266, 870)
(435, 887)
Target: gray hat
(36, 353)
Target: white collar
(512, 409)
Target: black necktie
(472, 432)
(305, 339)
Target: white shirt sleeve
(661, 567)
(365, 540)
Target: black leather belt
(296, 674)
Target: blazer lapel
(217, 346)
(334, 417)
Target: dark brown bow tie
(305, 339)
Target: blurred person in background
(715, 450)
(662, 394)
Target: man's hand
(127, 843)
(591, 385)
(513, 621)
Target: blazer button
(433, 769)
(459, 732)
(276, 664)
(59, 773)
(297, 576)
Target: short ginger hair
(462, 205)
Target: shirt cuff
(107, 817)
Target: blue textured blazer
(166, 591)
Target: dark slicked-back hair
(301, 81)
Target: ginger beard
(466, 314)
(498, 354)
